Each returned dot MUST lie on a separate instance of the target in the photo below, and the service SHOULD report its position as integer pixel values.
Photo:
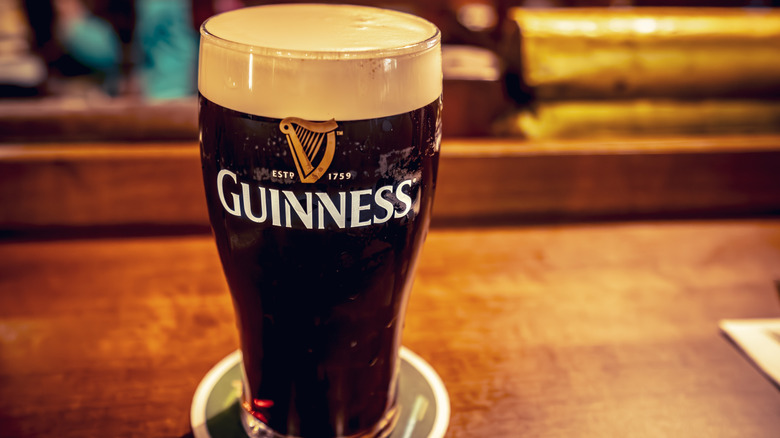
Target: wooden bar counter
(538, 329)
(541, 331)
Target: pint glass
(319, 132)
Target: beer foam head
(319, 62)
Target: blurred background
(533, 69)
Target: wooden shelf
(480, 181)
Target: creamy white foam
(319, 62)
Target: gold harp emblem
(306, 139)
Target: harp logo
(312, 144)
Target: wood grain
(543, 331)
(101, 185)
(480, 181)
(485, 180)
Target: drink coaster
(422, 400)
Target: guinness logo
(306, 140)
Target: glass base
(257, 429)
(423, 406)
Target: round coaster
(423, 400)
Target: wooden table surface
(583, 330)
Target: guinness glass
(319, 131)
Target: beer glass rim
(412, 48)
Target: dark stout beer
(319, 207)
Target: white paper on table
(760, 340)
